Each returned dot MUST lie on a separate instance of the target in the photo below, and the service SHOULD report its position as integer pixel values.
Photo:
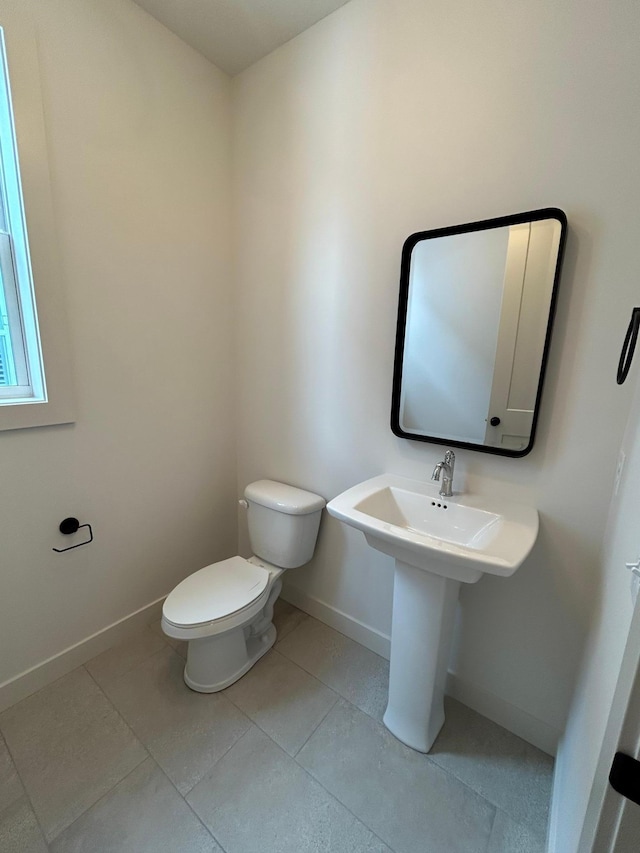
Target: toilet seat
(215, 592)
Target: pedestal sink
(437, 543)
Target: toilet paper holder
(72, 525)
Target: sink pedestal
(437, 545)
(424, 607)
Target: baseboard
(365, 635)
(509, 716)
(39, 676)
(555, 812)
(512, 718)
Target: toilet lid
(214, 592)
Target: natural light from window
(21, 369)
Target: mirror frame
(482, 225)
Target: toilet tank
(283, 522)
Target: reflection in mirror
(474, 322)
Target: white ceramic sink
(459, 537)
(437, 543)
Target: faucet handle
(450, 457)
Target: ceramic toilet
(225, 610)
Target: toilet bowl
(225, 610)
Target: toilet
(225, 611)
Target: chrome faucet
(446, 468)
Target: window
(21, 372)
(30, 340)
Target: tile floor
(119, 755)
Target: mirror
(474, 325)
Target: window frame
(38, 268)
(17, 364)
(15, 262)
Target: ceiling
(234, 34)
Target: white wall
(393, 116)
(138, 133)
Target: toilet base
(214, 663)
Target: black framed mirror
(475, 315)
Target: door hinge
(624, 776)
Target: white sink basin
(437, 543)
(459, 537)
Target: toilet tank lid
(287, 499)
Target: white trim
(364, 634)
(555, 813)
(511, 717)
(39, 676)
(514, 719)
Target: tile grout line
(101, 797)
(339, 696)
(25, 793)
(304, 769)
(491, 805)
(150, 757)
(253, 723)
(335, 689)
(294, 757)
(153, 758)
(426, 755)
(221, 756)
(80, 666)
(280, 636)
(335, 797)
(150, 754)
(490, 836)
(188, 804)
(258, 726)
(476, 792)
(184, 796)
(339, 801)
(316, 727)
(146, 748)
(136, 738)
(133, 666)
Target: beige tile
(507, 836)
(356, 673)
(286, 617)
(180, 646)
(70, 746)
(19, 830)
(186, 732)
(258, 800)
(506, 770)
(403, 797)
(125, 656)
(143, 814)
(10, 785)
(284, 700)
